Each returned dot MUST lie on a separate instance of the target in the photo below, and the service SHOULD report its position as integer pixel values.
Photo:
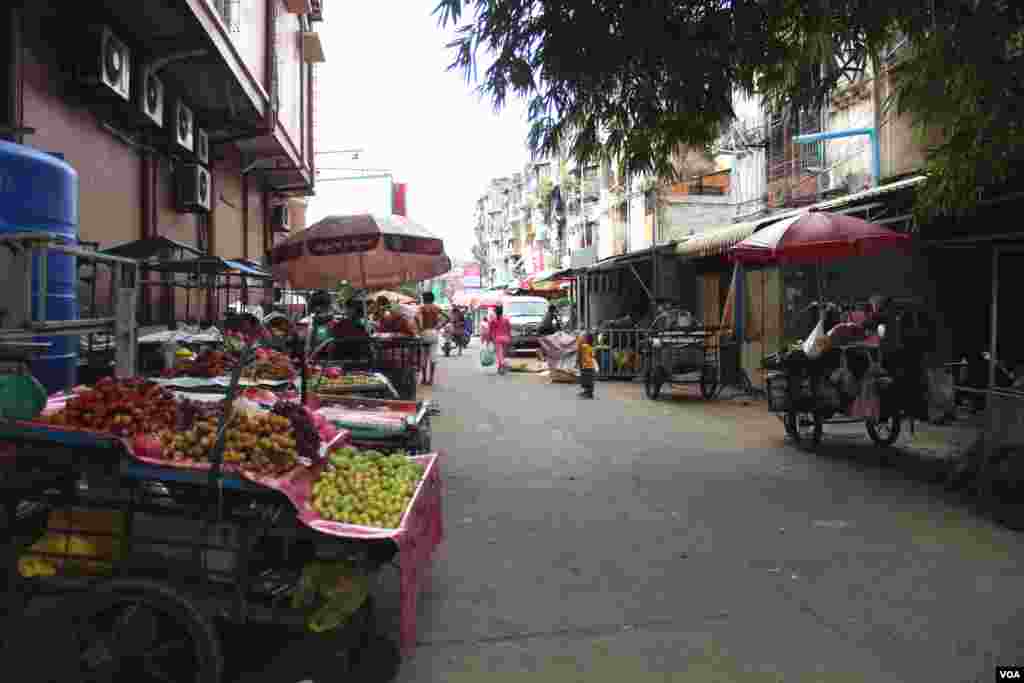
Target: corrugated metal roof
(712, 242)
(717, 241)
(867, 194)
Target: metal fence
(620, 353)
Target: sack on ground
(817, 342)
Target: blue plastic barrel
(39, 193)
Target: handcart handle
(217, 454)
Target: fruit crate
(352, 383)
(382, 424)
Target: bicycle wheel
(806, 428)
(653, 380)
(884, 432)
(140, 631)
(708, 382)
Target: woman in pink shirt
(499, 332)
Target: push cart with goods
(880, 384)
(132, 566)
(805, 395)
(683, 356)
(849, 383)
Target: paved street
(621, 539)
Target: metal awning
(210, 265)
(623, 260)
(868, 194)
(558, 275)
(150, 247)
(714, 242)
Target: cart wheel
(708, 382)
(884, 432)
(425, 436)
(806, 428)
(653, 380)
(137, 630)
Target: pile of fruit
(125, 407)
(209, 363)
(262, 444)
(270, 365)
(367, 488)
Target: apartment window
(203, 232)
(543, 172)
(230, 13)
(588, 235)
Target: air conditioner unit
(149, 96)
(279, 218)
(298, 6)
(194, 189)
(105, 64)
(202, 143)
(182, 126)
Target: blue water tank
(39, 193)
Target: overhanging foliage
(634, 82)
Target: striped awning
(715, 242)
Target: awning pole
(640, 280)
(990, 413)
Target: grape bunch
(190, 412)
(307, 437)
(367, 488)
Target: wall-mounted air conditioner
(280, 218)
(182, 125)
(202, 145)
(298, 6)
(194, 189)
(105, 64)
(149, 96)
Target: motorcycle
(451, 341)
(447, 340)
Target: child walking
(586, 365)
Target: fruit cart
(133, 553)
(682, 356)
(384, 365)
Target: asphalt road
(625, 540)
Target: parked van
(524, 312)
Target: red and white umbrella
(816, 237)
(370, 252)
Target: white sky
(385, 89)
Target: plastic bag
(817, 342)
(487, 356)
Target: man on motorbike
(458, 323)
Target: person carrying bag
(497, 334)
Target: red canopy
(816, 237)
